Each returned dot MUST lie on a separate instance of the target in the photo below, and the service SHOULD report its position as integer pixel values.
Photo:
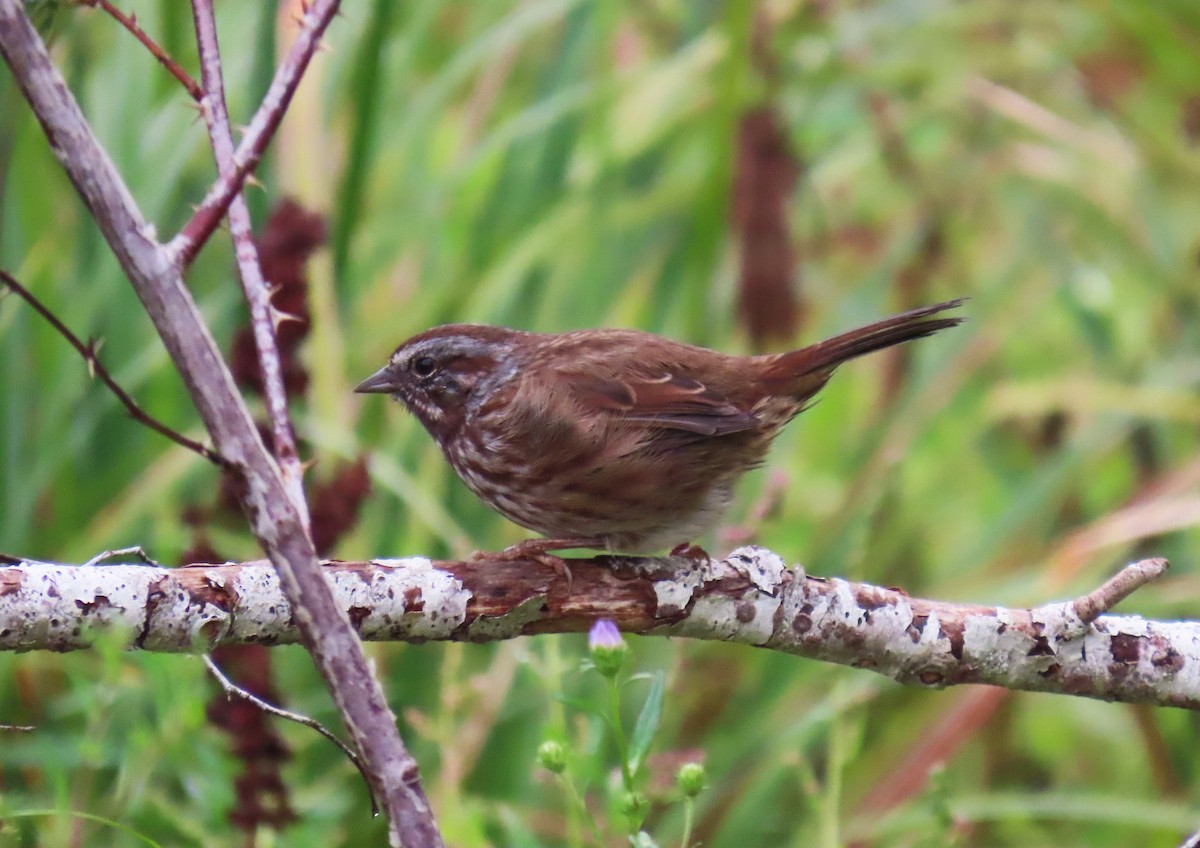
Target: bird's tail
(802, 372)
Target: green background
(552, 165)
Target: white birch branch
(1070, 648)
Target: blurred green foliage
(552, 164)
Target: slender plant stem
(614, 705)
(579, 805)
(689, 812)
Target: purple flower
(607, 647)
(604, 634)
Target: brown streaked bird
(612, 439)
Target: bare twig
(95, 368)
(259, 133)
(17, 728)
(262, 314)
(134, 551)
(130, 23)
(1118, 587)
(748, 598)
(232, 690)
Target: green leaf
(647, 723)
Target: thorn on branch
(96, 369)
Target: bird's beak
(382, 381)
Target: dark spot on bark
(1125, 648)
(954, 631)
(802, 623)
(1051, 671)
(99, 602)
(1041, 647)
(847, 634)
(916, 627)
(154, 596)
(666, 611)
(414, 601)
(873, 599)
(206, 590)
(930, 677)
(10, 581)
(1076, 684)
(1167, 658)
(357, 614)
(746, 612)
(1001, 628)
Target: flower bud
(607, 647)
(552, 756)
(634, 806)
(690, 779)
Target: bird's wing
(667, 401)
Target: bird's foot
(538, 550)
(695, 553)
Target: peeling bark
(1068, 648)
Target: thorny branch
(195, 233)
(1071, 648)
(155, 272)
(262, 314)
(130, 23)
(88, 351)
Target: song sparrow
(613, 439)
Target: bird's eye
(423, 366)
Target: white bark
(1069, 648)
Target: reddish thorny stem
(216, 117)
(196, 232)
